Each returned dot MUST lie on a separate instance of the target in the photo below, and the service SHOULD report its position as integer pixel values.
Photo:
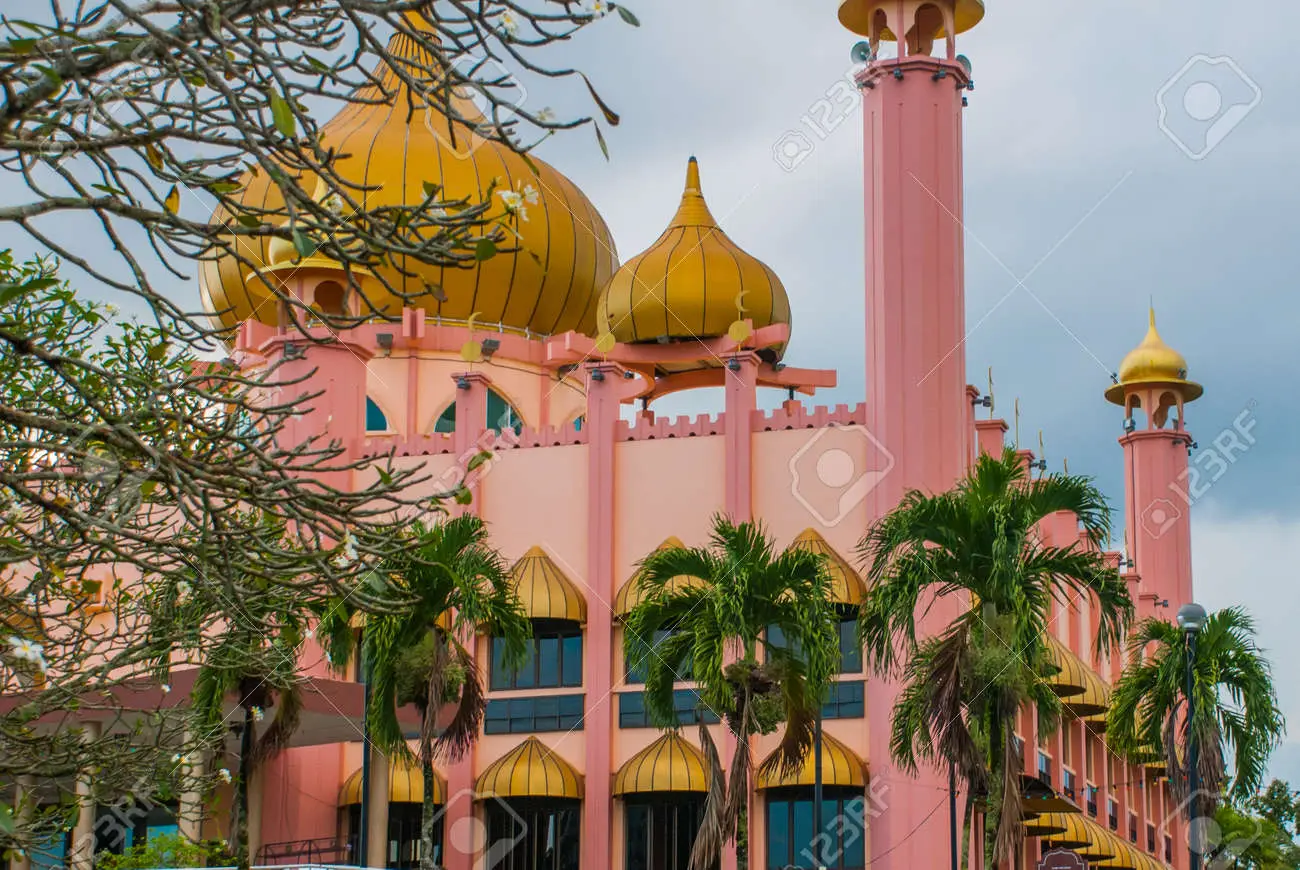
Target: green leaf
(463, 496)
(6, 819)
(315, 64)
(486, 249)
(109, 189)
(610, 115)
(157, 352)
(154, 155)
(220, 187)
(385, 478)
(600, 140)
(10, 292)
(147, 487)
(528, 161)
(479, 459)
(303, 245)
(285, 121)
(21, 46)
(430, 188)
(626, 15)
(251, 221)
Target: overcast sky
(1071, 186)
(1070, 180)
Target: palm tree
(741, 588)
(963, 687)
(448, 582)
(247, 646)
(1236, 705)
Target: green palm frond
(1236, 707)
(978, 544)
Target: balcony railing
(1045, 769)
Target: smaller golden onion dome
(1153, 363)
(694, 282)
(858, 16)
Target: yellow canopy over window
(846, 586)
(630, 594)
(670, 764)
(544, 591)
(531, 769)
(1038, 797)
(840, 766)
(405, 784)
(1072, 679)
(1095, 699)
(1091, 841)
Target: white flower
(594, 8)
(350, 547)
(530, 194)
(546, 115)
(180, 758)
(509, 23)
(514, 203)
(334, 204)
(224, 774)
(183, 589)
(258, 715)
(30, 600)
(26, 651)
(166, 688)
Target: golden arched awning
(846, 586)
(840, 766)
(1082, 836)
(531, 769)
(1038, 797)
(1127, 857)
(670, 764)
(1072, 676)
(1044, 824)
(405, 784)
(544, 591)
(630, 594)
(1095, 699)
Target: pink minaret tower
(1159, 485)
(918, 407)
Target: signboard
(1062, 860)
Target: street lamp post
(1190, 619)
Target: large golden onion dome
(550, 287)
(694, 282)
(1155, 363)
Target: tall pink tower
(1159, 486)
(917, 403)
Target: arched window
(376, 420)
(501, 415)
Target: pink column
(991, 435)
(603, 398)
(471, 422)
(917, 404)
(337, 371)
(742, 401)
(1159, 490)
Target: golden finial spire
(1154, 363)
(1065, 465)
(1017, 414)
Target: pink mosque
(533, 355)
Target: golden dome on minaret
(694, 282)
(549, 286)
(1153, 363)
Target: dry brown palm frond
(463, 729)
(712, 834)
(1010, 833)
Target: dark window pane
(638, 818)
(572, 675)
(778, 834)
(525, 677)
(500, 676)
(850, 651)
(548, 662)
(801, 831)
